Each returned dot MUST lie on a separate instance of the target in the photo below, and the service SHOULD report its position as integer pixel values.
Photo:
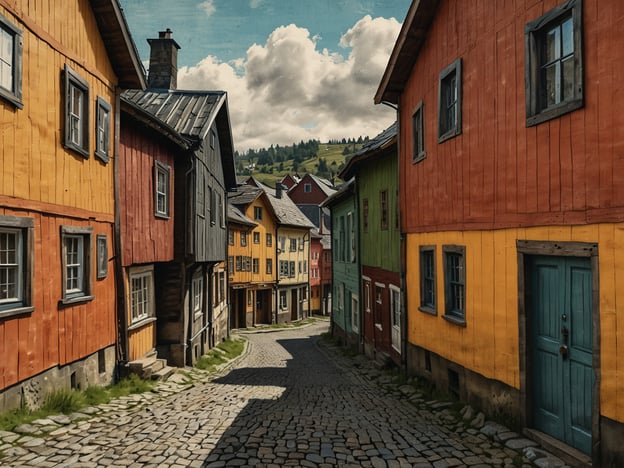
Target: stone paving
(290, 400)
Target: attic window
(212, 139)
(307, 188)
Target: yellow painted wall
(296, 256)
(262, 251)
(237, 249)
(43, 171)
(141, 340)
(489, 344)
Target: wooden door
(560, 348)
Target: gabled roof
(372, 149)
(244, 194)
(346, 191)
(323, 184)
(119, 43)
(406, 50)
(286, 212)
(237, 217)
(190, 114)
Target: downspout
(120, 284)
(188, 199)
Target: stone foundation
(97, 369)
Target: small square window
(161, 189)
(418, 131)
(450, 101)
(554, 63)
(102, 130)
(427, 279)
(76, 247)
(11, 51)
(455, 283)
(76, 113)
(307, 188)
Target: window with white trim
(11, 51)
(76, 113)
(162, 174)
(355, 313)
(141, 294)
(198, 293)
(283, 300)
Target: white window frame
(395, 316)
(197, 294)
(23, 263)
(307, 188)
(141, 298)
(161, 193)
(11, 266)
(355, 313)
(283, 299)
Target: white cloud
(255, 3)
(208, 7)
(287, 90)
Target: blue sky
(262, 52)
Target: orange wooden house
(62, 73)
(511, 145)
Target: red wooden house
(59, 114)
(511, 144)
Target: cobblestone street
(288, 401)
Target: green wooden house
(375, 170)
(345, 301)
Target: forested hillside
(323, 159)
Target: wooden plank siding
(146, 237)
(489, 344)
(498, 173)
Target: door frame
(558, 249)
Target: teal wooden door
(560, 348)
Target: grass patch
(70, 401)
(222, 353)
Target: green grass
(225, 351)
(70, 401)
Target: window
(427, 279)
(141, 294)
(307, 188)
(16, 258)
(249, 298)
(269, 239)
(213, 206)
(256, 237)
(367, 298)
(455, 283)
(76, 246)
(315, 273)
(222, 286)
(102, 256)
(395, 306)
(11, 51)
(383, 206)
(246, 263)
(198, 293)
(300, 266)
(301, 243)
(283, 268)
(243, 239)
(365, 214)
(291, 269)
(257, 212)
(213, 138)
(102, 130)
(256, 265)
(355, 314)
(231, 237)
(351, 227)
(269, 266)
(449, 99)
(418, 132)
(231, 264)
(239, 263)
(305, 266)
(293, 244)
(554, 63)
(76, 113)
(282, 241)
(342, 250)
(161, 189)
(282, 300)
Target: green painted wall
(379, 247)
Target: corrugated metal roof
(190, 113)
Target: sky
(293, 69)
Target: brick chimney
(163, 66)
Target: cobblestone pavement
(287, 402)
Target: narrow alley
(290, 400)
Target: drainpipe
(120, 285)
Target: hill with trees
(322, 159)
